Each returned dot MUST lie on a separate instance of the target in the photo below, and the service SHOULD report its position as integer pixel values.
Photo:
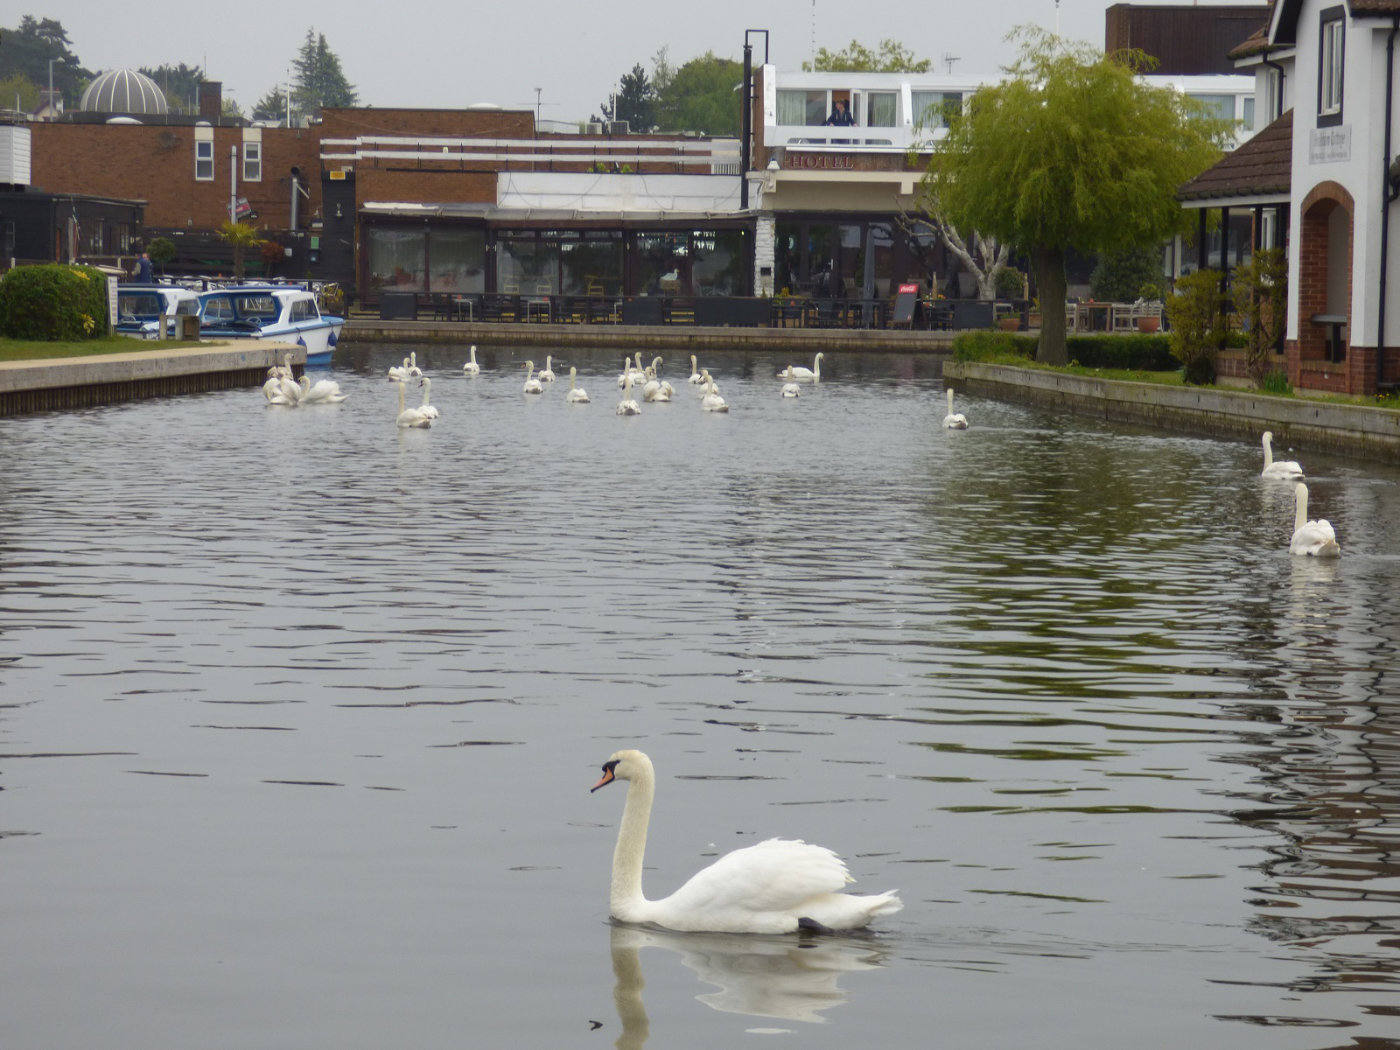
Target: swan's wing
(773, 875)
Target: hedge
(53, 302)
(1135, 351)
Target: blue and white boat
(139, 306)
(270, 314)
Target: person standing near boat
(144, 272)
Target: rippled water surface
(300, 713)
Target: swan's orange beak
(608, 778)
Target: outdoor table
(1094, 316)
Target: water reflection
(786, 978)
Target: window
(1221, 107)
(880, 109)
(792, 107)
(1248, 111)
(204, 160)
(1331, 66)
(931, 108)
(252, 162)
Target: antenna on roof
(948, 59)
(814, 33)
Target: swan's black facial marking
(609, 775)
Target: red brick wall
(447, 123)
(155, 163)
(408, 184)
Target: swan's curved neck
(427, 385)
(817, 366)
(950, 401)
(632, 843)
(401, 398)
(1300, 516)
(1268, 452)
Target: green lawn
(41, 350)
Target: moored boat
(140, 306)
(270, 314)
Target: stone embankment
(79, 382)
(1353, 430)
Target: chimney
(211, 100)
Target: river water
(300, 713)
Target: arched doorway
(1324, 289)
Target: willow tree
(1070, 151)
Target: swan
(776, 886)
(637, 377)
(695, 376)
(792, 390)
(712, 402)
(547, 372)
(425, 408)
(628, 407)
(1314, 538)
(804, 375)
(1284, 469)
(666, 387)
(471, 368)
(532, 385)
(399, 373)
(414, 372)
(576, 394)
(954, 420)
(655, 390)
(411, 417)
(324, 392)
(289, 389)
(272, 389)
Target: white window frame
(1331, 70)
(252, 161)
(204, 160)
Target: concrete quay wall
(79, 382)
(647, 337)
(1352, 430)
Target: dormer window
(1331, 66)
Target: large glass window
(457, 261)
(792, 107)
(527, 264)
(880, 109)
(663, 264)
(1219, 106)
(592, 264)
(718, 259)
(396, 260)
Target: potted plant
(1149, 295)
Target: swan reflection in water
(785, 977)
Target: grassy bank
(1138, 359)
(42, 350)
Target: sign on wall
(1329, 145)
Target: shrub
(993, 346)
(1260, 290)
(1135, 351)
(1275, 382)
(53, 302)
(161, 250)
(1011, 284)
(1194, 313)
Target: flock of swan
(281, 389)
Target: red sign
(908, 289)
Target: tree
(1260, 292)
(1070, 151)
(161, 250)
(985, 258)
(180, 84)
(272, 106)
(890, 57)
(635, 101)
(702, 96)
(241, 236)
(1125, 276)
(28, 49)
(319, 80)
(19, 91)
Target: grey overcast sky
(427, 53)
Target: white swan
(804, 375)
(547, 372)
(695, 376)
(532, 385)
(666, 387)
(954, 420)
(411, 417)
(1283, 469)
(1314, 538)
(399, 373)
(289, 389)
(776, 886)
(576, 395)
(414, 372)
(471, 368)
(712, 402)
(637, 377)
(425, 408)
(628, 407)
(324, 392)
(272, 389)
(792, 390)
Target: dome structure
(124, 91)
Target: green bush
(1275, 382)
(53, 302)
(1137, 351)
(1122, 277)
(993, 346)
(1193, 311)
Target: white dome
(124, 91)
